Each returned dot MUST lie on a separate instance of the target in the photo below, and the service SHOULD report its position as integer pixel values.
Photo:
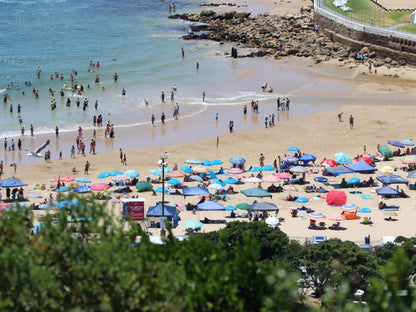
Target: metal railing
(319, 7)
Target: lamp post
(163, 164)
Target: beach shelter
(155, 172)
(143, 186)
(82, 189)
(211, 206)
(353, 180)
(12, 183)
(342, 158)
(159, 210)
(338, 170)
(263, 206)
(307, 158)
(131, 173)
(195, 191)
(386, 190)
(361, 166)
(336, 198)
(256, 192)
(104, 174)
(391, 179)
(212, 174)
(385, 151)
(237, 160)
(62, 189)
(396, 143)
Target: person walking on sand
(351, 122)
(87, 167)
(162, 97)
(340, 116)
(121, 155)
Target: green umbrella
(144, 186)
(243, 206)
(385, 151)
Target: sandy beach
(317, 132)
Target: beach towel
(363, 196)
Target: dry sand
(320, 134)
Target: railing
(320, 8)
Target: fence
(320, 8)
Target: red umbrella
(328, 162)
(336, 198)
(368, 160)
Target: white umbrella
(272, 221)
(216, 186)
(253, 180)
(120, 177)
(298, 169)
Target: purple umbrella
(396, 143)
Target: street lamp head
(164, 155)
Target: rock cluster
(274, 35)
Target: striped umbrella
(199, 169)
(350, 207)
(193, 161)
(335, 217)
(386, 170)
(315, 216)
(176, 174)
(409, 159)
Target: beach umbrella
(253, 180)
(217, 162)
(364, 210)
(290, 159)
(385, 151)
(176, 174)
(315, 215)
(143, 186)
(62, 189)
(350, 207)
(192, 224)
(54, 180)
(243, 206)
(342, 158)
(186, 169)
(256, 169)
(237, 160)
(119, 178)
(235, 171)
(230, 208)
(293, 149)
(199, 169)
(368, 160)
(131, 173)
(301, 200)
(211, 206)
(34, 195)
(272, 221)
(283, 175)
(396, 143)
(307, 158)
(320, 179)
(298, 169)
(409, 159)
(408, 142)
(82, 180)
(376, 155)
(290, 187)
(67, 203)
(263, 206)
(271, 178)
(230, 181)
(195, 178)
(99, 186)
(68, 179)
(268, 168)
(166, 169)
(336, 198)
(335, 217)
(386, 170)
(155, 172)
(353, 180)
(215, 186)
(218, 181)
(193, 161)
(328, 162)
(206, 163)
(116, 172)
(104, 174)
(174, 182)
(160, 190)
(82, 189)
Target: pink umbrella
(175, 174)
(235, 171)
(271, 178)
(99, 186)
(336, 198)
(283, 175)
(67, 179)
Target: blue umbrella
(237, 160)
(268, 168)
(62, 189)
(160, 190)
(256, 169)
(116, 172)
(290, 159)
(218, 181)
(408, 142)
(301, 200)
(174, 181)
(293, 149)
(353, 180)
(230, 208)
(396, 143)
(207, 163)
(104, 174)
(364, 210)
(307, 158)
(192, 224)
(167, 170)
(217, 162)
(82, 189)
(342, 158)
(82, 180)
(67, 203)
(156, 172)
(230, 181)
(186, 169)
(321, 179)
(131, 173)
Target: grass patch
(368, 12)
(410, 28)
